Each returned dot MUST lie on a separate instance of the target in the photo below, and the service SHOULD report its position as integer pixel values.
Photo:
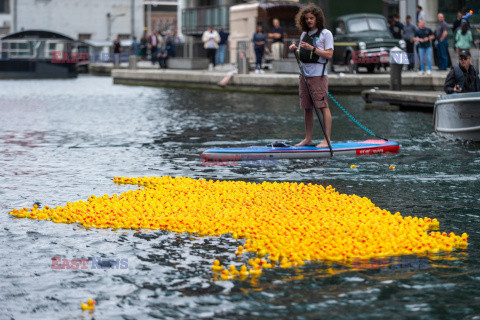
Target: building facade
(92, 20)
(5, 17)
(161, 15)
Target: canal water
(64, 140)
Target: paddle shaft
(300, 66)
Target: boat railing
(33, 48)
(459, 96)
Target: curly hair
(313, 9)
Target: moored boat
(458, 116)
(33, 54)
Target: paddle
(300, 65)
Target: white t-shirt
(211, 40)
(323, 42)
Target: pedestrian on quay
(222, 47)
(315, 48)
(424, 35)
(420, 14)
(154, 44)
(277, 35)
(259, 39)
(464, 77)
(210, 39)
(134, 47)
(397, 28)
(463, 38)
(458, 22)
(117, 49)
(441, 33)
(166, 52)
(408, 35)
(143, 46)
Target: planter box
(187, 63)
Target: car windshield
(363, 24)
(377, 24)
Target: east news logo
(59, 263)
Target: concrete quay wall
(270, 82)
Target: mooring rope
(353, 118)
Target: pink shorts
(319, 88)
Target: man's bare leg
(327, 125)
(308, 116)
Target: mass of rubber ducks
(283, 224)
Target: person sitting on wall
(167, 52)
(464, 77)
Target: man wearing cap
(464, 77)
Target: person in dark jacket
(167, 52)
(464, 77)
(143, 46)
(457, 22)
(259, 39)
(398, 28)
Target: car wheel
(352, 67)
(371, 68)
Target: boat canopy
(36, 34)
(36, 44)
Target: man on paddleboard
(316, 47)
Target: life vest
(307, 56)
(460, 77)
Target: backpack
(307, 56)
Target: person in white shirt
(420, 14)
(316, 47)
(210, 39)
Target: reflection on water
(64, 140)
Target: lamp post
(110, 19)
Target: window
(4, 6)
(363, 25)
(19, 49)
(357, 25)
(84, 36)
(377, 24)
(340, 27)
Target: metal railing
(197, 20)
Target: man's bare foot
(323, 144)
(304, 142)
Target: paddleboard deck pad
(281, 150)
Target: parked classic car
(363, 40)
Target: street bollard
(397, 59)
(242, 63)
(132, 62)
(396, 76)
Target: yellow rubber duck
(285, 263)
(216, 266)
(225, 275)
(233, 271)
(256, 271)
(90, 305)
(243, 271)
(239, 251)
